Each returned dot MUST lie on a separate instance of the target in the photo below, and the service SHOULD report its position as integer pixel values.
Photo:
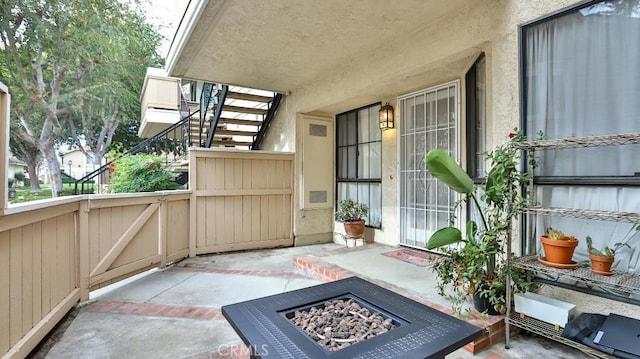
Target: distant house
(75, 163)
(15, 166)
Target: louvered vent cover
(317, 196)
(317, 130)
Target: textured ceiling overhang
(281, 45)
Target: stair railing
(266, 121)
(206, 98)
(164, 142)
(216, 115)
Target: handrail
(139, 147)
(205, 101)
(216, 115)
(188, 135)
(267, 121)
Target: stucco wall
(439, 52)
(281, 135)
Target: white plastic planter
(547, 309)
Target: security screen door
(428, 120)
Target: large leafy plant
(476, 263)
(142, 173)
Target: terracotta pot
(601, 264)
(558, 251)
(354, 229)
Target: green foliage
(478, 263)
(19, 176)
(445, 168)
(109, 94)
(611, 251)
(555, 234)
(350, 210)
(74, 69)
(68, 180)
(142, 173)
(444, 237)
(27, 194)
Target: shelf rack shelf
(620, 284)
(549, 331)
(580, 142)
(623, 282)
(585, 214)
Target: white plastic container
(547, 309)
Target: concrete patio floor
(175, 312)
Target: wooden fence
(39, 280)
(242, 200)
(53, 253)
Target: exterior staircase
(236, 117)
(225, 116)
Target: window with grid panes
(359, 160)
(579, 78)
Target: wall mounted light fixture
(386, 117)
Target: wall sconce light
(386, 117)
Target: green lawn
(24, 194)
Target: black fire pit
(420, 332)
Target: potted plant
(352, 214)
(477, 265)
(602, 260)
(558, 248)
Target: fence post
(162, 230)
(83, 250)
(5, 101)
(193, 186)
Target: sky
(165, 16)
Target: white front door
(428, 119)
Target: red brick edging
(156, 310)
(259, 273)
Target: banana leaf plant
(445, 169)
(477, 264)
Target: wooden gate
(129, 235)
(242, 200)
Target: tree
(110, 93)
(56, 56)
(25, 151)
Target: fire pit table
(271, 327)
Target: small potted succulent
(352, 214)
(601, 261)
(558, 248)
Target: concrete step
(239, 121)
(231, 143)
(250, 110)
(248, 97)
(235, 133)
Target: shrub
(19, 176)
(142, 173)
(68, 180)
